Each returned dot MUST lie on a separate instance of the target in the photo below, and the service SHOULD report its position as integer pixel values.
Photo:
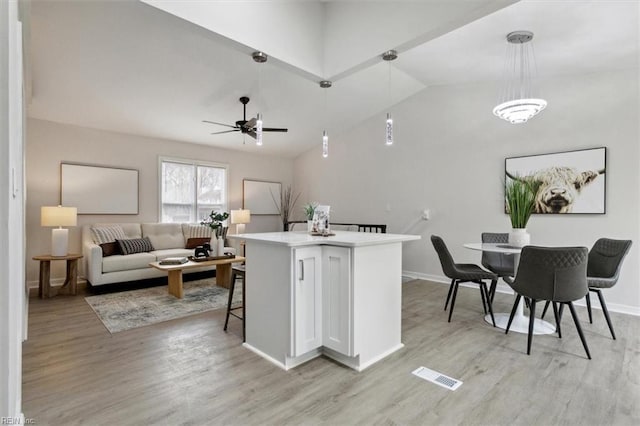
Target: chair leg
(492, 290)
(486, 292)
(449, 294)
(556, 316)
(453, 299)
(560, 311)
(231, 288)
(513, 312)
(575, 320)
(588, 299)
(606, 312)
(532, 320)
(544, 311)
(485, 300)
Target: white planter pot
(309, 225)
(519, 237)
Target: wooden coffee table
(223, 272)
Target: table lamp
(59, 216)
(240, 218)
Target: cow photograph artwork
(568, 182)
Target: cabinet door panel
(336, 299)
(307, 296)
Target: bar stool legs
(234, 275)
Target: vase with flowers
(309, 209)
(215, 222)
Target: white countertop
(342, 238)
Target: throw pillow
(135, 245)
(107, 234)
(195, 242)
(199, 231)
(110, 249)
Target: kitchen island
(340, 296)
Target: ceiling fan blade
(250, 124)
(219, 124)
(225, 131)
(252, 133)
(274, 129)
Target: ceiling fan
(245, 126)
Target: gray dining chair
(556, 274)
(603, 271)
(501, 264)
(461, 273)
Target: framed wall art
(569, 182)
(99, 189)
(258, 196)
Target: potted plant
(309, 209)
(520, 197)
(215, 223)
(285, 207)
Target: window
(189, 190)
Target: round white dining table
(520, 321)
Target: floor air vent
(437, 378)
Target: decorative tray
(320, 234)
(206, 259)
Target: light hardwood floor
(190, 372)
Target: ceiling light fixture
(517, 103)
(260, 58)
(325, 84)
(389, 56)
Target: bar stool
(236, 271)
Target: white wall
(449, 157)
(48, 144)
(12, 289)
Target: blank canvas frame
(257, 196)
(99, 189)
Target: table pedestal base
(520, 324)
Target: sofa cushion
(110, 249)
(192, 230)
(127, 263)
(164, 235)
(195, 242)
(135, 245)
(107, 234)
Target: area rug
(137, 308)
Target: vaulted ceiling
(158, 68)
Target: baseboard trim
(55, 282)
(504, 288)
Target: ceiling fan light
(259, 130)
(325, 144)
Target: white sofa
(168, 240)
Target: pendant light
(389, 56)
(517, 101)
(260, 58)
(325, 84)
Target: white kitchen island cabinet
(340, 296)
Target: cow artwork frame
(570, 182)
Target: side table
(71, 280)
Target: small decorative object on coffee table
(223, 272)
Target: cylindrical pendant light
(260, 58)
(389, 56)
(325, 84)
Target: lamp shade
(58, 216)
(240, 216)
